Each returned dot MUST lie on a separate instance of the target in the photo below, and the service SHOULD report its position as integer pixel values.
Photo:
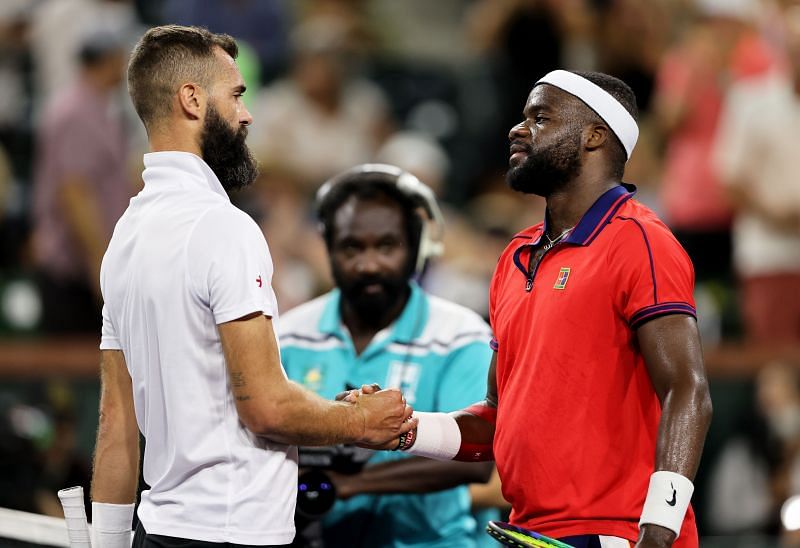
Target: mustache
(518, 145)
(361, 283)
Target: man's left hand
(655, 536)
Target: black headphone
(430, 241)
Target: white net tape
(32, 528)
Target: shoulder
(222, 220)
(452, 326)
(637, 227)
(303, 320)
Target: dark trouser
(584, 541)
(142, 540)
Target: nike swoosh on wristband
(674, 496)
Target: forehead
(364, 216)
(226, 69)
(545, 96)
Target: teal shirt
(437, 353)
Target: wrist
(111, 524)
(667, 500)
(437, 436)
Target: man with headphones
(380, 225)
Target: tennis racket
(511, 535)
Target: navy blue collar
(597, 217)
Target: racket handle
(75, 515)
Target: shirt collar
(180, 169)
(407, 327)
(597, 217)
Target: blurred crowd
(432, 87)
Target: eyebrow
(530, 108)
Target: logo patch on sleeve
(258, 280)
(561, 280)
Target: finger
(408, 412)
(343, 395)
(408, 426)
(370, 388)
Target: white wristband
(111, 525)
(438, 436)
(667, 500)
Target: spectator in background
(323, 118)
(757, 157)
(58, 28)
(82, 185)
(719, 47)
(379, 327)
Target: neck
(360, 326)
(566, 206)
(177, 141)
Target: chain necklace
(554, 241)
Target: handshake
(385, 413)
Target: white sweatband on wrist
(599, 100)
(667, 500)
(111, 525)
(438, 436)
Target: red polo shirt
(578, 416)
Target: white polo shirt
(182, 260)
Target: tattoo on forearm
(237, 379)
(238, 383)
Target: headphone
(431, 235)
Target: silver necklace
(554, 241)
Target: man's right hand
(386, 416)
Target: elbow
(480, 472)
(265, 420)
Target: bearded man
(597, 404)
(189, 354)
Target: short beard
(371, 309)
(549, 169)
(226, 153)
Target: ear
(595, 136)
(192, 101)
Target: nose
(245, 118)
(519, 131)
(368, 263)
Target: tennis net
(26, 530)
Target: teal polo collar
(406, 328)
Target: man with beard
(189, 356)
(598, 404)
(378, 326)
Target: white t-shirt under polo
(182, 260)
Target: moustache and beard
(225, 152)
(371, 305)
(549, 168)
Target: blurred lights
(790, 514)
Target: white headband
(603, 103)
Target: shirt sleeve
(652, 274)
(108, 334)
(234, 268)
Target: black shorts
(142, 540)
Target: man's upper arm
(672, 352)
(254, 367)
(117, 387)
